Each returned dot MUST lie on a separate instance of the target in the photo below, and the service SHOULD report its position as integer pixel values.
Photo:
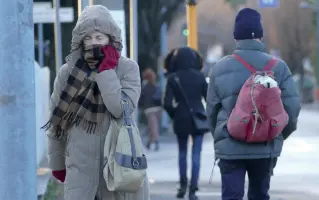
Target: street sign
(47, 15)
(42, 5)
(268, 3)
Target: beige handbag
(124, 161)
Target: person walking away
(150, 102)
(252, 113)
(88, 91)
(186, 87)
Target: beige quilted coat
(81, 153)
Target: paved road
(296, 175)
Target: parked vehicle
(308, 87)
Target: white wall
(42, 95)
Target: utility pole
(57, 36)
(40, 45)
(17, 102)
(134, 39)
(82, 4)
(161, 70)
(133, 30)
(191, 10)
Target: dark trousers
(182, 158)
(233, 174)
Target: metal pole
(133, 30)
(317, 69)
(162, 77)
(40, 45)
(192, 24)
(57, 36)
(134, 38)
(17, 102)
(82, 4)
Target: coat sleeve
(291, 101)
(213, 105)
(56, 147)
(113, 89)
(168, 98)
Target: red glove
(60, 175)
(111, 58)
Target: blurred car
(308, 87)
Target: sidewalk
(163, 177)
(313, 106)
(289, 183)
(163, 171)
(167, 191)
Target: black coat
(148, 98)
(186, 66)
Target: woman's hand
(111, 58)
(59, 175)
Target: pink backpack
(259, 114)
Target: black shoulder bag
(199, 118)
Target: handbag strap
(126, 112)
(128, 123)
(183, 93)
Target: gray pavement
(296, 175)
(167, 191)
(312, 106)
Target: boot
(148, 145)
(191, 194)
(157, 145)
(182, 190)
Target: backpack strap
(270, 64)
(242, 61)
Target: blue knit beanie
(248, 25)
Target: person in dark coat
(236, 158)
(150, 102)
(185, 64)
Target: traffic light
(185, 32)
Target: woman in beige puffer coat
(87, 91)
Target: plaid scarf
(80, 101)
